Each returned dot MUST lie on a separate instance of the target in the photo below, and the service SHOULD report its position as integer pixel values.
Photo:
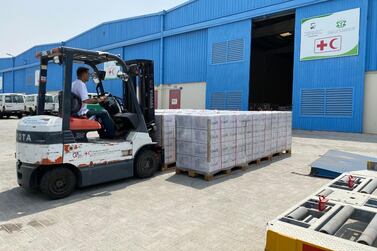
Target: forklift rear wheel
(146, 164)
(58, 183)
(19, 116)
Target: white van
(12, 104)
(31, 103)
(55, 108)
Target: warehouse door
(271, 69)
(175, 99)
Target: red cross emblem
(322, 45)
(328, 44)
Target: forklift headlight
(57, 60)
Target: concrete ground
(167, 212)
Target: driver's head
(83, 74)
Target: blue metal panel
(25, 79)
(117, 31)
(28, 57)
(8, 82)
(54, 77)
(5, 63)
(229, 77)
(149, 50)
(20, 85)
(344, 72)
(199, 11)
(185, 58)
(372, 37)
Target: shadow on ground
(18, 202)
(355, 137)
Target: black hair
(81, 70)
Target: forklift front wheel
(58, 183)
(146, 164)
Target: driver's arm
(91, 101)
(95, 100)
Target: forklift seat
(84, 125)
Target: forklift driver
(79, 88)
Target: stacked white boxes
(289, 131)
(274, 130)
(198, 142)
(268, 148)
(259, 123)
(249, 137)
(165, 135)
(241, 138)
(228, 140)
(211, 141)
(282, 131)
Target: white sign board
(111, 70)
(1, 83)
(36, 78)
(329, 36)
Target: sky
(26, 23)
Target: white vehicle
(55, 108)
(54, 153)
(11, 104)
(31, 102)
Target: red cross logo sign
(329, 44)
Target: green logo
(341, 24)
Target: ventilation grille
(218, 101)
(313, 102)
(226, 101)
(234, 101)
(219, 53)
(339, 102)
(235, 50)
(331, 102)
(228, 52)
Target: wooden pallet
(270, 157)
(229, 171)
(168, 167)
(210, 176)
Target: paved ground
(167, 212)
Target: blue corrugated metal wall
(5, 63)
(117, 31)
(28, 57)
(8, 82)
(200, 11)
(209, 40)
(344, 72)
(228, 76)
(187, 53)
(372, 37)
(147, 50)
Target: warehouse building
(318, 57)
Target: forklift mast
(142, 74)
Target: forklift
(54, 153)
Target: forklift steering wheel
(111, 104)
